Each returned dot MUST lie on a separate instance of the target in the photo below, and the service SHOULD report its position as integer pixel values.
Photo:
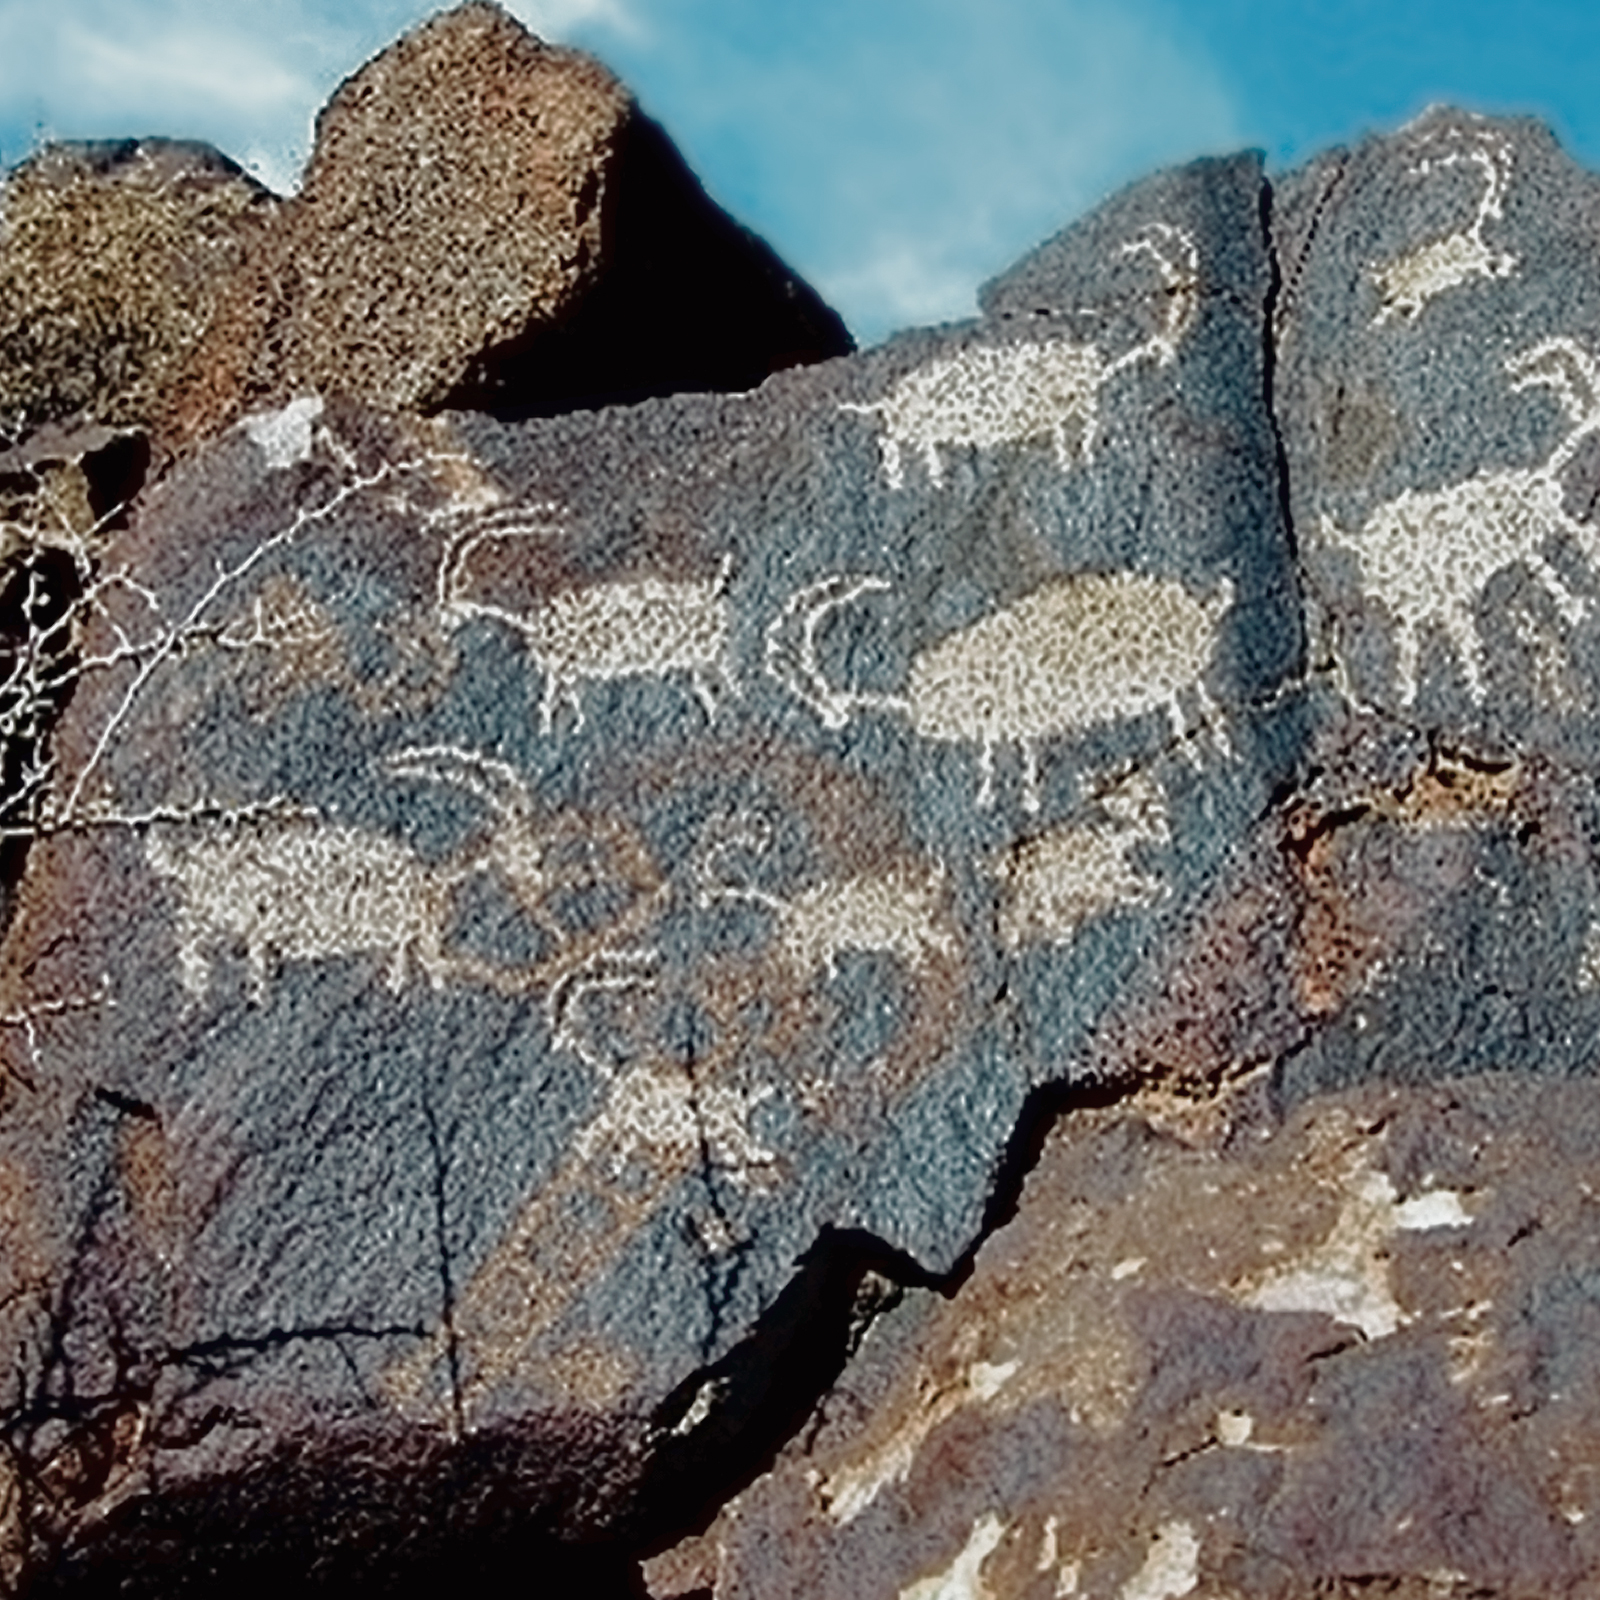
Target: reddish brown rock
(1353, 1353)
(111, 260)
(488, 219)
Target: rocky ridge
(970, 972)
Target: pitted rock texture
(534, 929)
(1347, 1353)
(113, 258)
(487, 219)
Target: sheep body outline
(1011, 393)
(300, 888)
(1079, 652)
(1427, 555)
(635, 627)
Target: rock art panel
(1450, 564)
(532, 881)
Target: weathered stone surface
(489, 220)
(112, 257)
(506, 890)
(536, 931)
(1350, 1353)
(1438, 338)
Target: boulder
(512, 901)
(1343, 1352)
(112, 261)
(490, 220)
(970, 973)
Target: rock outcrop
(970, 973)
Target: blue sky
(896, 152)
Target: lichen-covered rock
(112, 259)
(1347, 1353)
(488, 219)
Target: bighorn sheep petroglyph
(1081, 651)
(1427, 557)
(641, 627)
(1010, 393)
(1406, 284)
(899, 913)
(1056, 881)
(304, 889)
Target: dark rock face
(1009, 883)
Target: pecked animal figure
(640, 627)
(1427, 556)
(1008, 394)
(1082, 651)
(304, 889)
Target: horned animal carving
(642, 627)
(1427, 557)
(1005, 394)
(1406, 284)
(1055, 882)
(901, 913)
(303, 889)
(1081, 651)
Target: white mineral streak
(642, 627)
(1407, 283)
(1080, 652)
(963, 1578)
(1172, 1567)
(1009, 394)
(1426, 557)
(1056, 881)
(848, 1491)
(1348, 1275)
(285, 437)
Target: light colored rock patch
(1348, 1275)
(1171, 1569)
(963, 1579)
(851, 1489)
(1056, 881)
(284, 437)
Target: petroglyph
(900, 914)
(1407, 283)
(1010, 394)
(1081, 651)
(303, 889)
(1427, 557)
(657, 1122)
(644, 627)
(1056, 881)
